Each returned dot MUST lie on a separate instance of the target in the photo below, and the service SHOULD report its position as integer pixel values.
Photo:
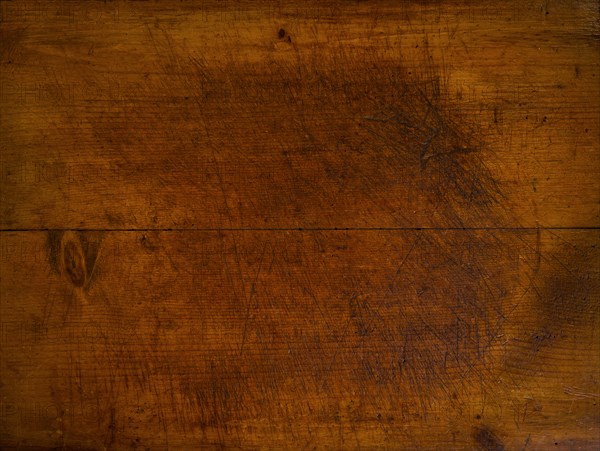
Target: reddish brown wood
(327, 225)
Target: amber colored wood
(299, 225)
(204, 117)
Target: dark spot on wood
(74, 263)
(149, 241)
(54, 245)
(114, 219)
(281, 33)
(73, 254)
(486, 440)
(90, 244)
(566, 296)
(446, 156)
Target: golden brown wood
(333, 339)
(204, 117)
(326, 225)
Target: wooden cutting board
(299, 225)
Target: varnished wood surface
(332, 225)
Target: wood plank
(245, 115)
(328, 339)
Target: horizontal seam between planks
(295, 229)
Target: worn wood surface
(316, 225)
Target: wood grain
(316, 225)
(203, 117)
(333, 339)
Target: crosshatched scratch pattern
(335, 225)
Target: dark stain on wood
(73, 262)
(566, 295)
(53, 242)
(328, 244)
(74, 254)
(486, 439)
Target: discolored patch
(566, 296)
(73, 254)
(73, 262)
(53, 242)
(424, 314)
(486, 439)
